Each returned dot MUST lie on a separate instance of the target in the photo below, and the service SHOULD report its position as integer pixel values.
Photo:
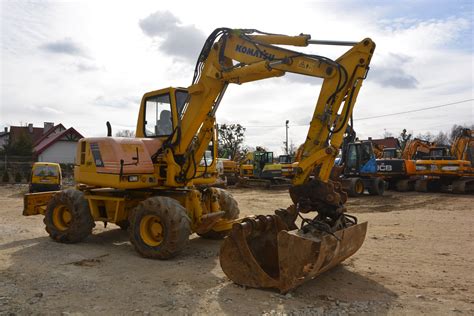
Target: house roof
(17, 131)
(49, 132)
(388, 142)
(68, 135)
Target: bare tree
(291, 148)
(456, 131)
(387, 134)
(426, 136)
(125, 133)
(442, 139)
(404, 138)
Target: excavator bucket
(261, 253)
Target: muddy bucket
(260, 253)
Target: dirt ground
(417, 259)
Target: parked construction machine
(397, 167)
(260, 170)
(359, 169)
(229, 170)
(286, 162)
(149, 182)
(447, 168)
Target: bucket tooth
(266, 255)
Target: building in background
(4, 136)
(50, 143)
(388, 142)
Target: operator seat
(164, 124)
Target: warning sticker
(96, 154)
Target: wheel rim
(151, 230)
(61, 217)
(359, 187)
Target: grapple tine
(263, 254)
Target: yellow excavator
(260, 170)
(444, 168)
(148, 183)
(398, 168)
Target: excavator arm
(241, 56)
(269, 251)
(416, 147)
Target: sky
(82, 63)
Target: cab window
(158, 118)
(181, 98)
(352, 157)
(45, 171)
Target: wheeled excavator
(356, 168)
(445, 168)
(148, 182)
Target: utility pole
(286, 143)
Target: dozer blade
(260, 253)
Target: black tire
(229, 205)
(173, 220)
(356, 187)
(68, 228)
(402, 185)
(459, 187)
(123, 224)
(377, 187)
(421, 185)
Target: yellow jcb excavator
(149, 182)
(446, 168)
(398, 168)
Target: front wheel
(159, 228)
(68, 218)
(356, 187)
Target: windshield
(285, 159)
(158, 119)
(46, 171)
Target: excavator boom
(270, 251)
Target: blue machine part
(370, 166)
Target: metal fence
(17, 169)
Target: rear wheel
(377, 186)
(159, 228)
(68, 218)
(229, 205)
(421, 185)
(402, 185)
(356, 187)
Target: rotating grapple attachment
(260, 252)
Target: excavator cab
(391, 153)
(360, 159)
(286, 162)
(263, 166)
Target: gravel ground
(417, 259)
